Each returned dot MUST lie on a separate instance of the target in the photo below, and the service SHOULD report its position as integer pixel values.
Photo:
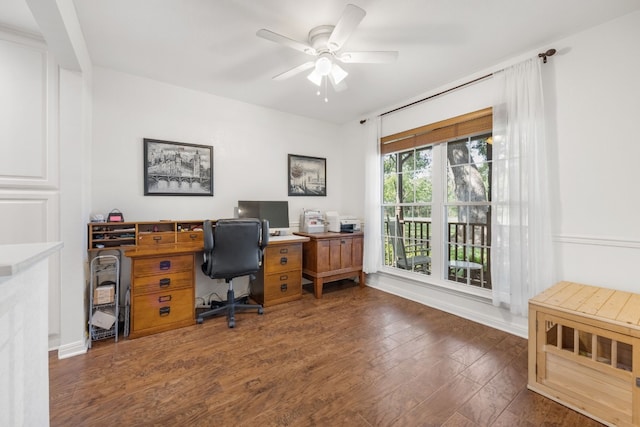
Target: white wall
(74, 170)
(70, 115)
(592, 102)
(597, 110)
(250, 147)
(29, 179)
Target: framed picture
(177, 169)
(307, 176)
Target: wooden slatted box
(584, 351)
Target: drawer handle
(164, 298)
(193, 236)
(283, 287)
(165, 282)
(165, 265)
(164, 311)
(343, 242)
(284, 277)
(284, 251)
(638, 382)
(283, 260)
(157, 238)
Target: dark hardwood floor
(357, 357)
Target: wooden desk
(163, 282)
(332, 256)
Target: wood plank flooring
(357, 357)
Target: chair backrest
(397, 241)
(233, 247)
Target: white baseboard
(54, 341)
(73, 349)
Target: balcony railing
(468, 245)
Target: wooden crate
(584, 351)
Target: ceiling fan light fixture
(315, 78)
(338, 73)
(323, 65)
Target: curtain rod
(543, 55)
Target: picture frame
(177, 168)
(307, 176)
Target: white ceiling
(211, 46)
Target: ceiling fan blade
(292, 72)
(278, 38)
(373, 57)
(348, 22)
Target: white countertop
(287, 238)
(17, 258)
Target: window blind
(477, 122)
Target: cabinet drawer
(162, 308)
(282, 258)
(162, 265)
(190, 236)
(282, 285)
(162, 282)
(156, 238)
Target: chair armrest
(264, 241)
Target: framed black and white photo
(177, 169)
(307, 176)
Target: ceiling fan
(325, 43)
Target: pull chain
(326, 99)
(318, 92)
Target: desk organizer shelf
(584, 351)
(116, 235)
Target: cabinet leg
(317, 288)
(361, 279)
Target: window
(468, 210)
(436, 201)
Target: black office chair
(233, 248)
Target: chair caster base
(199, 320)
(261, 310)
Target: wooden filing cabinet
(332, 256)
(584, 351)
(162, 288)
(280, 277)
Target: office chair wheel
(260, 310)
(232, 323)
(199, 320)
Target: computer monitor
(276, 212)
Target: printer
(311, 221)
(342, 223)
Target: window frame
(435, 135)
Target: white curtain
(372, 221)
(522, 259)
